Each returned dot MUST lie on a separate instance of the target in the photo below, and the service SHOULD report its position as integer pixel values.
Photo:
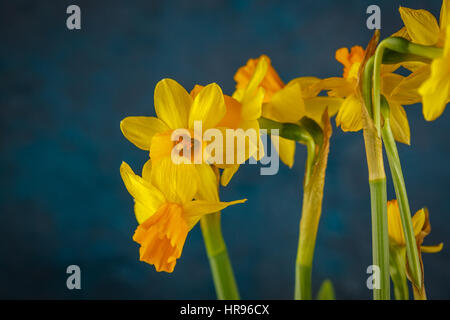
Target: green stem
(397, 258)
(306, 240)
(222, 271)
(412, 254)
(380, 240)
(377, 184)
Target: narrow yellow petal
(147, 170)
(178, 182)
(254, 149)
(208, 107)
(407, 90)
(399, 123)
(194, 210)
(253, 95)
(140, 130)
(418, 220)
(349, 116)
(395, 229)
(286, 151)
(432, 249)
(148, 197)
(228, 173)
(172, 103)
(310, 86)
(421, 25)
(338, 87)
(445, 14)
(252, 105)
(208, 187)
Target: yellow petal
(258, 72)
(252, 105)
(208, 187)
(194, 210)
(147, 170)
(208, 107)
(402, 33)
(253, 95)
(148, 197)
(418, 220)
(389, 81)
(140, 130)
(445, 14)
(338, 87)
(172, 103)
(228, 173)
(310, 86)
(395, 229)
(407, 90)
(255, 148)
(421, 25)
(286, 151)
(178, 182)
(399, 123)
(436, 90)
(286, 105)
(349, 116)
(315, 107)
(432, 249)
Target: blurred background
(63, 94)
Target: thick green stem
(380, 240)
(306, 240)
(377, 183)
(222, 271)
(397, 260)
(412, 254)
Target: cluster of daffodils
(179, 184)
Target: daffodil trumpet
(400, 190)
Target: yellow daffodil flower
(397, 89)
(399, 266)
(242, 112)
(285, 102)
(165, 209)
(177, 109)
(421, 27)
(421, 227)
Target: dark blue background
(63, 94)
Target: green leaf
(326, 291)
